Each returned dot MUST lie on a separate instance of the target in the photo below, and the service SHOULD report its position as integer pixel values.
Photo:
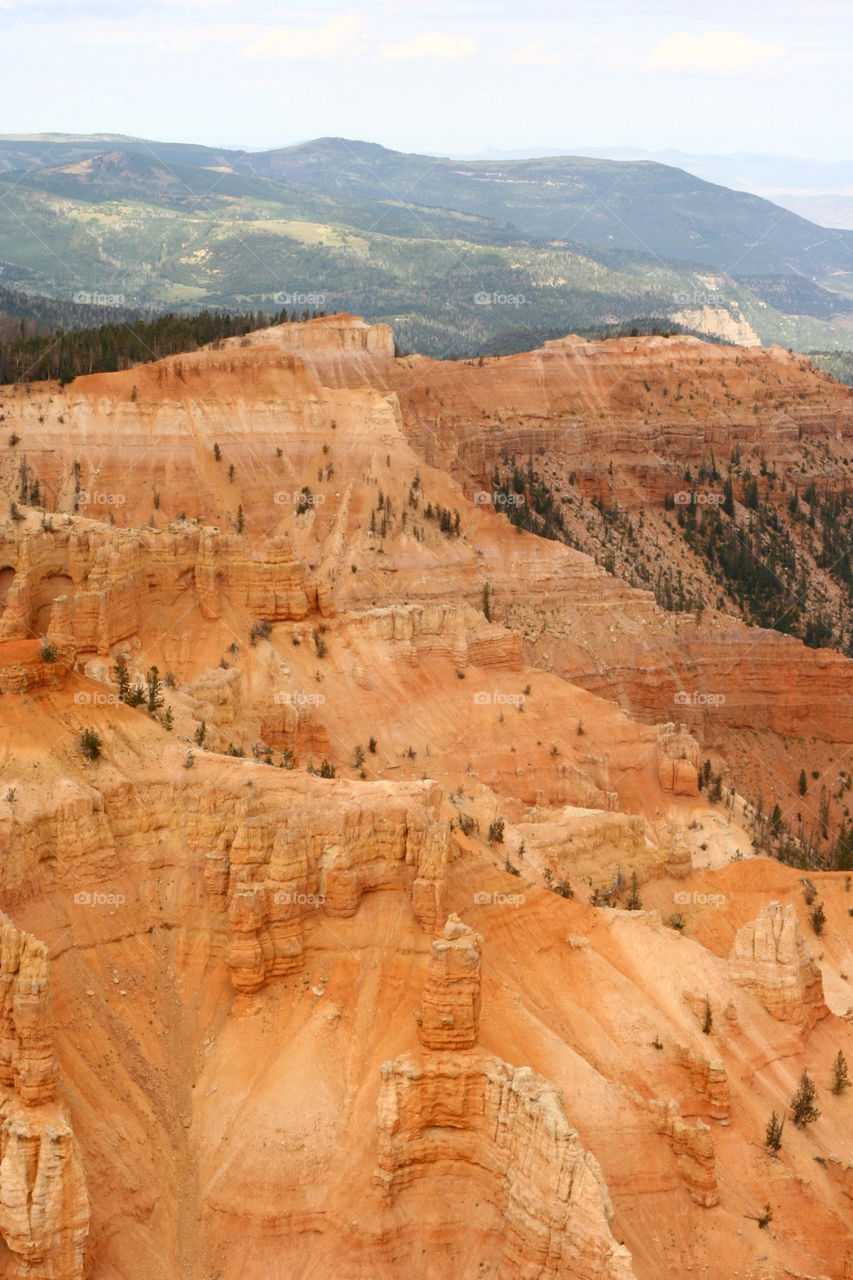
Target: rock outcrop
(709, 1079)
(575, 842)
(841, 1173)
(458, 1106)
(449, 1013)
(95, 583)
(771, 957)
(23, 665)
(44, 1206)
(678, 760)
(27, 1062)
(459, 631)
(276, 870)
(693, 1145)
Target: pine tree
(708, 1021)
(840, 1079)
(154, 696)
(241, 519)
(773, 1134)
(121, 675)
(136, 695)
(90, 744)
(633, 902)
(817, 915)
(803, 1109)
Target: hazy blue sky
(437, 76)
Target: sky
(455, 78)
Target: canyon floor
(384, 920)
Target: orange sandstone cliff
(389, 921)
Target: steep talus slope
(338, 1005)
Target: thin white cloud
(716, 53)
(339, 37)
(535, 54)
(430, 44)
(190, 39)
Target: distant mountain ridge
(454, 253)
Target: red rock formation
(678, 760)
(771, 957)
(507, 1124)
(22, 665)
(693, 1146)
(709, 1079)
(96, 583)
(44, 1207)
(27, 1061)
(449, 1014)
(323, 855)
(206, 1144)
(459, 1106)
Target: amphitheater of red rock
(287, 986)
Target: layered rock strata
(771, 957)
(44, 1206)
(678, 760)
(449, 1013)
(97, 583)
(457, 1106)
(23, 665)
(272, 874)
(694, 1149)
(709, 1079)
